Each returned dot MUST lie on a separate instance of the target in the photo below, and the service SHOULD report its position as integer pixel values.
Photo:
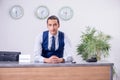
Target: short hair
(53, 17)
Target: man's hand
(54, 59)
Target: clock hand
(16, 13)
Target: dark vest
(48, 53)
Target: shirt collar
(52, 35)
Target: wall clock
(65, 13)
(16, 12)
(42, 12)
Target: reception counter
(62, 71)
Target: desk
(65, 71)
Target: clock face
(42, 12)
(66, 13)
(16, 12)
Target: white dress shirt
(38, 47)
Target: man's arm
(38, 49)
(68, 51)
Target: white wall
(19, 35)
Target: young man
(52, 46)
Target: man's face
(53, 26)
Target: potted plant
(94, 44)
